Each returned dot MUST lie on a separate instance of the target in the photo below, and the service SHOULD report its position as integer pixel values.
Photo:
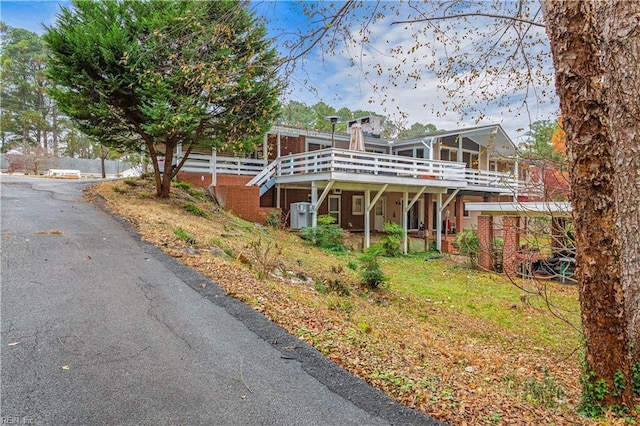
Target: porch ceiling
(363, 181)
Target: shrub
(183, 185)
(326, 235)
(130, 182)
(198, 194)
(371, 274)
(274, 218)
(267, 256)
(192, 208)
(392, 241)
(469, 244)
(119, 190)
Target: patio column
(511, 248)
(485, 236)
(428, 220)
(439, 222)
(459, 211)
(405, 214)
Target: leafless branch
(465, 15)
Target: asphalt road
(101, 328)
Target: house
(421, 183)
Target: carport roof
(516, 208)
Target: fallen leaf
(13, 343)
(65, 367)
(203, 285)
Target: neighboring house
(420, 183)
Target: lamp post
(333, 119)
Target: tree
(417, 130)
(25, 105)
(595, 49)
(538, 144)
(147, 76)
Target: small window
(357, 205)
(465, 212)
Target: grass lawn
(463, 346)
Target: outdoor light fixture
(333, 119)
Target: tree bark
(583, 86)
(621, 53)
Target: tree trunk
(621, 35)
(102, 167)
(55, 131)
(582, 75)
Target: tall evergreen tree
(148, 76)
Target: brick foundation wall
(243, 201)
(195, 179)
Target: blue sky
(330, 78)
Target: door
(334, 208)
(416, 215)
(379, 214)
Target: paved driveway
(101, 328)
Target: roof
(491, 135)
(521, 208)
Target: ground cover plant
(464, 346)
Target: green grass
(192, 208)
(487, 297)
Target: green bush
(469, 244)
(371, 274)
(273, 218)
(198, 194)
(326, 235)
(183, 185)
(392, 241)
(130, 182)
(192, 208)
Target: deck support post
(405, 214)
(314, 204)
(367, 219)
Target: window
(334, 207)
(449, 155)
(357, 205)
(471, 159)
(465, 212)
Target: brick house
(420, 183)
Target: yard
(463, 346)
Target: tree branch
(464, 15)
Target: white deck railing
(484, 178)
(346, 161)
(339, 160)
(203, 164)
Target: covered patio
(511, 214)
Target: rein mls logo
(15, 420)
